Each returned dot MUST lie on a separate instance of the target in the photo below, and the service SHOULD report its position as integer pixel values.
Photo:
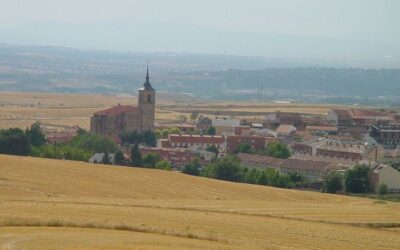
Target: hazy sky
(353, 19)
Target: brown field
(23, 109)
(48, 204)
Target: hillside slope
(47, 204)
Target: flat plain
(48, 204)
(23, 109)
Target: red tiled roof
(196, 139)
(305, 164)
(259, 160)
(118, 109)
(344, 113)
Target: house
(356, 117)
(233, 141)
(178, 158)
(98, 158)
(385, 174)
(225, 125)
(339, 117)
(285, 118)
(201, 142)
(312, 170)
(349, 151)
(112, 121)
(285, 130)
(259, 161)
(386, 135)
(203, 124)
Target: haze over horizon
(323, 30)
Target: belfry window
(149, 98)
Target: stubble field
(47, 204)
(23, 109)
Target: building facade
(112, 121)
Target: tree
(193, 167)
(357, 179)
(383, 189)
(244, 147)
(93, 143)
(119, 158)
(278, 150)
(163, 164)
(211, 130)
(131, 137)
(227, 168)
(333, 182)
(35, 135)
(14, 141)
(150, 160)
(106, 159)
(213, 149)
(149, 138)
(136, 156)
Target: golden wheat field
(23, 109)
(55, 204)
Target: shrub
(333, 182)
(163, 164)
(383, 189)
(278, 150)
(357, 179)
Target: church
(112, 121)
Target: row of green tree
(229, 169)
(356, 180)
(273, 149)
(32, 142)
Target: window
(149, 98)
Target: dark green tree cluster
(147, 137)
(14, 141)
(271, 177)
(333, 182)
(244, 147)
(193, 167)
(278, 150)
(93, 143)
(211, 130)
(61, 152)
(229, 169)
(357, 180)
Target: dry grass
(22, 109)
(73, 205)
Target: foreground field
(47, 204)
(23, 109)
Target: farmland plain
(23, 109)
(47, 204)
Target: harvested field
(23, 109)
(47, 204)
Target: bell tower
(147, 104)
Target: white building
(385, 174)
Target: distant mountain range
(218, 77)
(149, 36)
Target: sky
(370, 20)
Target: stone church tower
(147, 104)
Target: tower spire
(147, 75)
(147, 84)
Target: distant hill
(220, 77)
(47, 204)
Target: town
(312, 152)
